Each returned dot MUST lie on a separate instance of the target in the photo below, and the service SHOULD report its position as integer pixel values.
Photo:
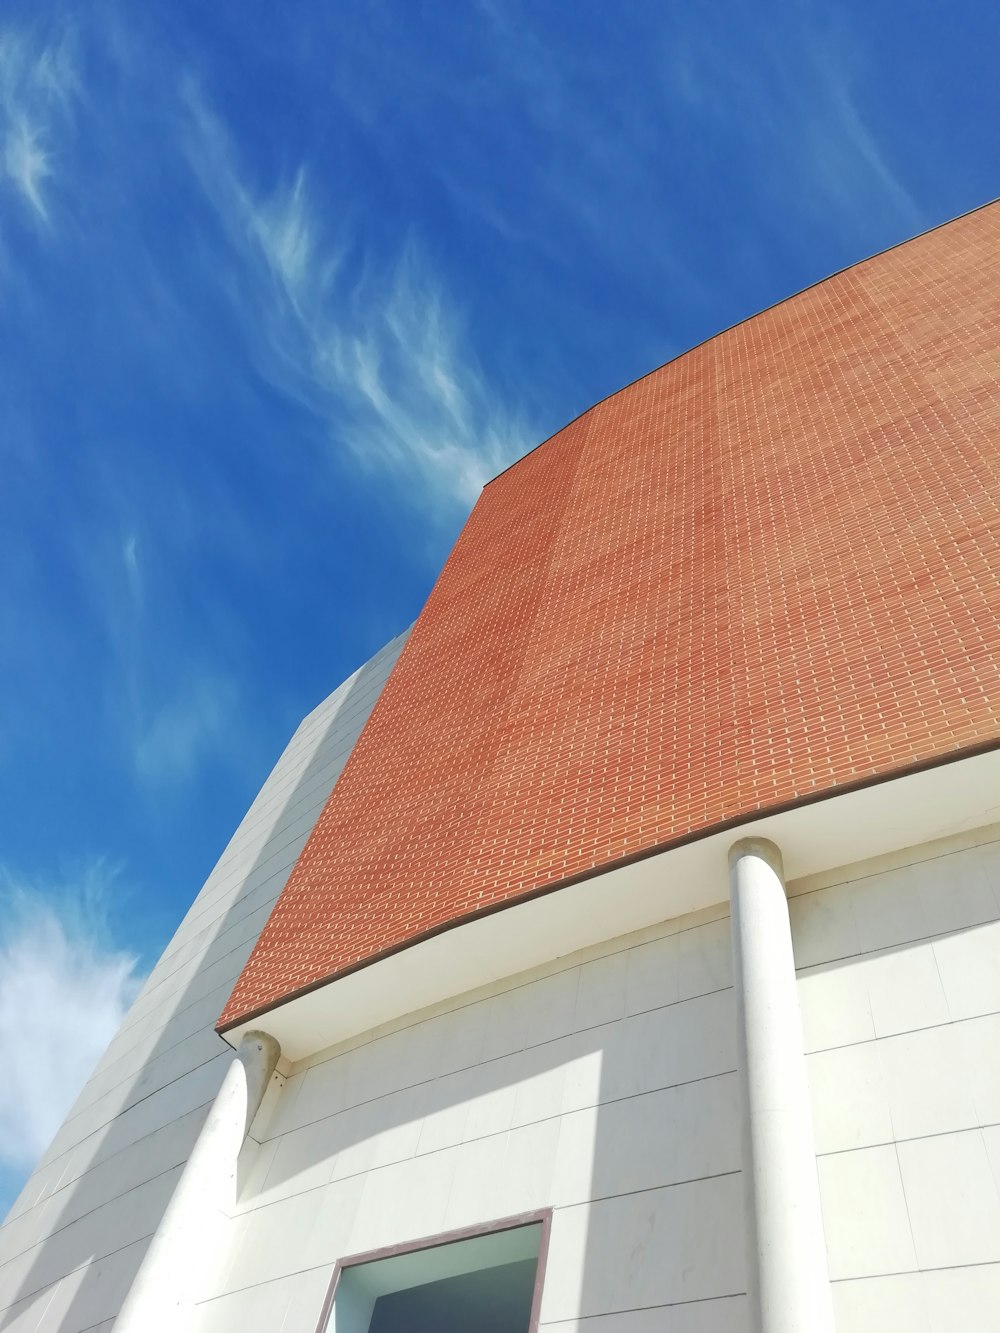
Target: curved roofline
(747, 319)
(594, 872)
(466, 871)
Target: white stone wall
(899, 987)
(76, 1235)
(603, 1085)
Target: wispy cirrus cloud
(174, 706)
(177, 709)
(171, 742)
(64, 990)
(39, 89)
(133, 569)
(379, 353)
(795, 97)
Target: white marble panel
(90, 1296)
(979, 1043)
(704, 959)
(963, 1300)
(658, 1048)
(952, 1198)
(283, 1306)
(601, 991)
(663, 1246)
(583, 1062)
(83, 1245)
(406, 1201)
(334, 1233)
(491, 1110)
(864, 1214)
(539, 1095)
(661, 1138)
(442, 1128)
(969, 963)
(576, 1153)
(25, 1314)
(477, 1178)
(888, 910)
(929, 1085)
(453, 1040)
(530, 1014)
(299, 1161)
(528, 1170)
(991, 1139)
(396, 1140)
(391, 1062)
(567, 1267)
(850, 1105)
(893, 1304)
(834, 1004)
(823, 926)
(955, 891)
(39, 1186)
(178, 1062)
(727, 1315)
(162, 1150)
(653, 975)
(904, 990)
(21, 1232)
(253, 1164)
(318, 1092)
(269, 1242)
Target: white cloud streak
(380, 356)
(39, 86)
(185, 732)
(133, 569)
(787, 95)
(798, 93)
(175, 706)
(63, 994)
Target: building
(619, 950)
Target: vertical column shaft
(187, 1240)
(788, 1281)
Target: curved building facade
(763, 573)
(620, 949)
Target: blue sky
(280, 287)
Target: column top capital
(761, 848)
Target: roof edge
(747, 319)
(619, 863)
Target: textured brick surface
(768, 569)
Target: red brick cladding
(765, 570)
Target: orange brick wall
(768, 569)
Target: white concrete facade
(899, 989)
(603, 1086)
(602, 1083)
(606, 1086)
(76, 1236)
(190, 1239)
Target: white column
(787, 1280)
(188, 1240)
